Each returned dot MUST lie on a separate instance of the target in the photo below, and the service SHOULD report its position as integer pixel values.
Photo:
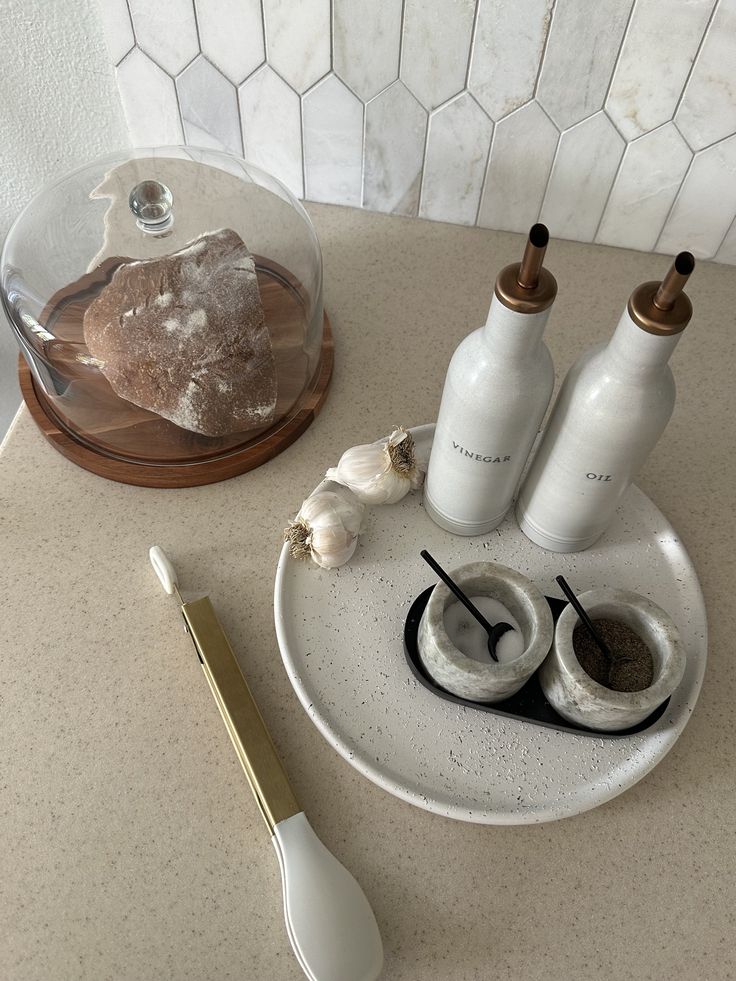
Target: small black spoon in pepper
(494, 632)
(588, 624)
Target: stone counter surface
(130, 846)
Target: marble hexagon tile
(209, 107)
(587, 160)
(519, 165)
(507, 51)
(436, 47)
(581, 51)
(166, 30)
(395, 127)
(645, 187)
(117, 27)
(654, 63)
(149, 101)
(298, 40)
(457, 149)
(727, 251)
(332, 119)
(707, 112)
(705, 205)
(272, 129)
(231, 36)
(366, 44)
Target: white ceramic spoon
(329, 921)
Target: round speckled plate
(341, 635)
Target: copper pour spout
(531, 264)
(663, 308)
(674, 282)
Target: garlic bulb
(326, 528)
(382, 472)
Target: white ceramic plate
(341, 639)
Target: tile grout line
(613, 123)
(682, 135)
(551, 169)
(179, 73)
(549, 172)
(696, 56)
(674, 202)
(178, 106)
(119, 62)
(401, 40)
(725, 236)
(543, 55)
(429, 115)
(222, 73)
(132, 25)
(304, 155)
(196, 25)
(471, 49)
(708, 146)
(362, 155)
(485, 175)
(397, 80)
(619, 168)
(624, 36)
(240, 119)
(264, 34)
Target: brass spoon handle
(244, 723)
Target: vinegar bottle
(612, 408)
(497, 389)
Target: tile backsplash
(612, 122)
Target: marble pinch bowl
(462, 675)
(579, 699)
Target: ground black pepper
(632, 668)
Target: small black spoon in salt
(495, 633)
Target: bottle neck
(638, 351)
(511, 333)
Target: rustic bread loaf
(184, 336)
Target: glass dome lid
(168, 303)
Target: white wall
(58, 108)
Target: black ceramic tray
(528, 704)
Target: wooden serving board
(96, 429)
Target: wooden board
(229, 464)
(83, 418)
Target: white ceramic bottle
(612, 408)
(497, 389)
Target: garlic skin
(326, 528)
(381, 472)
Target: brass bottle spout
(531, 264)
(674, 282)
(526, 286)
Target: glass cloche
(168, 303)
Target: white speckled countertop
(130, 848)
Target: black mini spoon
(612, 657)
(495, 633)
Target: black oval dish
(528, 704)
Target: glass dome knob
(152, 204)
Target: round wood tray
(183, 474)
